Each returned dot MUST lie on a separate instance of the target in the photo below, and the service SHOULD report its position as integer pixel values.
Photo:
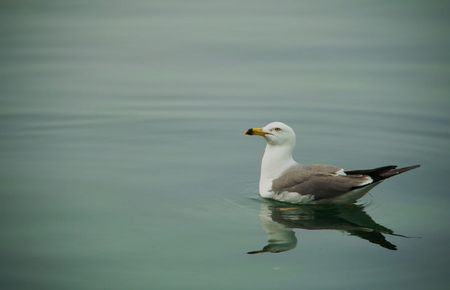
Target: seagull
(285, 180)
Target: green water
(124, 164)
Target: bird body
(283, 179)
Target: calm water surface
(123, 164)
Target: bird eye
(277, 129)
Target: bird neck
(276, 159)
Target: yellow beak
(255, 131)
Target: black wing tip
(410, 167)
(413, 166)
(384, 172)
(397, 171)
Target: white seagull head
(275, 133)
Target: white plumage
(283, 179)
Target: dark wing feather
(382, 173)
(319, 181)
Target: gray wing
(320, 181)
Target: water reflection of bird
(278, 220)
